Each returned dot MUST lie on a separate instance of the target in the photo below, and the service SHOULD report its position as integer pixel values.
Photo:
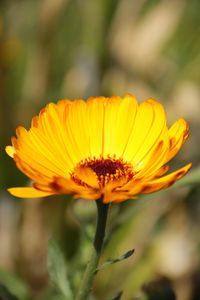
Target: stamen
(106, 169)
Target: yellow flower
(103, 147)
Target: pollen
(106, 169)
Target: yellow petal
(95, 124)
(77, 130)
(43, 153)
(33, 174)
(165, 181)
(157, 133)
(178, 133)
(115, 197)
(133, 187)
(160, 172)
(54, 133)
(88, 176)
(153, 163)
(119, 119)
(28, 192)
(35, 151)
(66, 186)
(146, 133)
(10, 150)
(88, 195)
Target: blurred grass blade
(118, 296)
(58, 270)
(5, 294)
(116, 260)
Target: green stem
(88, 278)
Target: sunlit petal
(28, 192)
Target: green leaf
(51, 293)
(118, 296)
(116, 260)
(58, 270)
(5, 294)
(10, 285)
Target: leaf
(58, 270)
(118, 296)
(5, 294)
(51, 293)
(11, 284)
(116, 260)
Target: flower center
(106, 169)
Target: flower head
(112, 148)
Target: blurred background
(54, 49)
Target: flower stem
(88, 278)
